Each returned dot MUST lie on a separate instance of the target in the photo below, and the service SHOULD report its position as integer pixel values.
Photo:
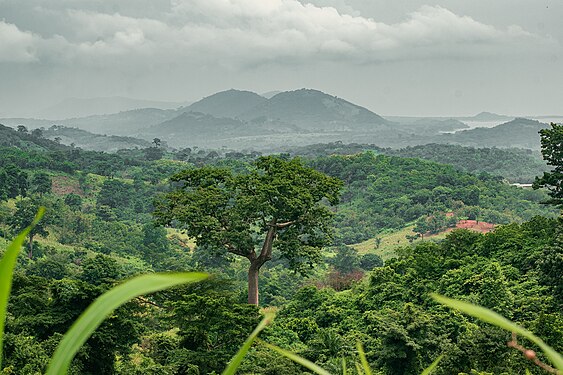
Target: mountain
(82, 107)
(518, 133)
(190, 127)
(314, 110)
(270, 94)
(230, 103)
(9, 137)
(121, 123)
(485, 117)
(428, 126)
(92, 142)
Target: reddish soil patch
(478, 226)
(63, 185)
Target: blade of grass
(344, 367)
(7, 265)
(492, 317)
(95, 314)
(297, 359)
(237, 359)
(359, 369)
(432, 366)
(363, 358)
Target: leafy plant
(94, 315)
(492, 317)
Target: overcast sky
(396, 57)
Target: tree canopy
(278, 203)
(552, 151)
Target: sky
(395, 57)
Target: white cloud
(241, 32)
(16, 45)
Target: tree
(41, 183)
(22, 129)
(37, 133)
(74, 201)
(26, 209)
(552, 152)
(279, 203)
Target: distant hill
(230, 103)
(270, 94)
(82, 107)
(516, 165)
(122, 123)
(196, 128)
(314, 110)
(518, 133)
(428, 126)
(9, 137)
(486, 116)
(93, 142)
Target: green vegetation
(386, 192)
(551, 141)
(372, 285)
(276, 204)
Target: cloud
(236, 33)
(16, 45)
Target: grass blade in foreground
(297, 359)
(433, 366)
(237, 359)
(7, 265)
(95, 314)
(492, 317)
(363, 359)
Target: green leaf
(297, 359)
(7, 265)
(363, 359)
(95, 314)
(492, 317)
(433, 366)
(237, 359)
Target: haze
(395, 58)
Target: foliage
(279, 203)
(552, 151)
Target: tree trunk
(253, 272)
(257, 262)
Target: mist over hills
(82, 107)
(317, 111)
(92, 142)
(241, 119)
(518, 133)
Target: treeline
(514, 164)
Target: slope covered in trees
(99, 230)
(384, 192)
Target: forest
(302, 219)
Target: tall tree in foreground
(279, 204)
(552, 261)
(552, 151)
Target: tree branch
(284, 225)
(530, 354)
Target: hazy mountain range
(238, 119)
(82, 107)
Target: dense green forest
(99, 229)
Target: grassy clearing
(392, 241)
